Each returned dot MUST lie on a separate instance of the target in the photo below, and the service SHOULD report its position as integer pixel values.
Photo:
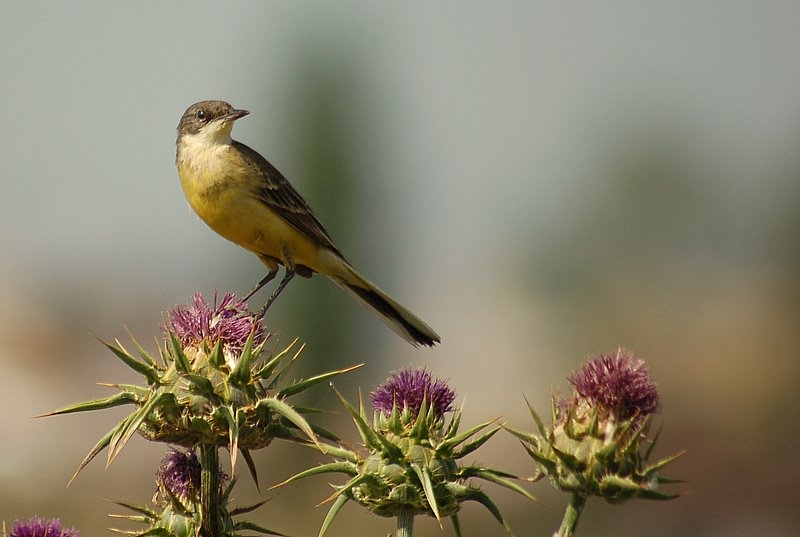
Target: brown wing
(281, 196)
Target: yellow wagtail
(245, 199)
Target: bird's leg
(264, 281)
(284, 282)
(287, 277)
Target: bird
(246, 200)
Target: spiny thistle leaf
(267, 370)
(251, 466)
(342, 453)
(421, 423)
(525, 436)
(98, 447)
(153, 532)
(118, 399)
(537, 420)
(282, 368)
(178, 356)
(139, 349)
(321, 432)
(303, 385)
(241, 374)
(283, 409)
(333, 450)
(658, 465)
(456, 524)
(255, 527)
(332, 512)
(427, 486)
(617, 482)
(233, 432)
(137, 508)
(453, 441)
(452, 428)
(141, 392)
(368, 436)
(479, 496)
(201, 385)
(216, 357)
(127, 427)
(329, 468)
(548, 466)
(348, 487)
(500, 478)
(656, 495)
(469, 447)
(146, 369)
(249, 508)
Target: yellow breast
(222, 192)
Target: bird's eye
(202, 115)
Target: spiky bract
(599, 443)
(411, 462)
(210, 386)
(177, 515)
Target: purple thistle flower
(408, 387)
(230, 322)
(619, 383)
(38, 527)
(179, 473)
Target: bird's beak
(233, 115)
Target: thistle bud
(178, 479)
(599, 443)
(177, 510)
(412, 465)
(39, 527)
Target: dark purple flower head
(38, 527)
(179, 473)
(408, 387)
(230, 322)
(619, 383)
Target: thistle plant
(177, 503)
(599, 442)
(214, 385)
(39, 527)
(411, 462)
(178, 479)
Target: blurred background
(538, 181)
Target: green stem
(209, 491)
(405, 522)
(571, 515)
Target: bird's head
(211, 121)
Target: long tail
(399, 319)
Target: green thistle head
(412, 457)
(598, 443)
(213, 384)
